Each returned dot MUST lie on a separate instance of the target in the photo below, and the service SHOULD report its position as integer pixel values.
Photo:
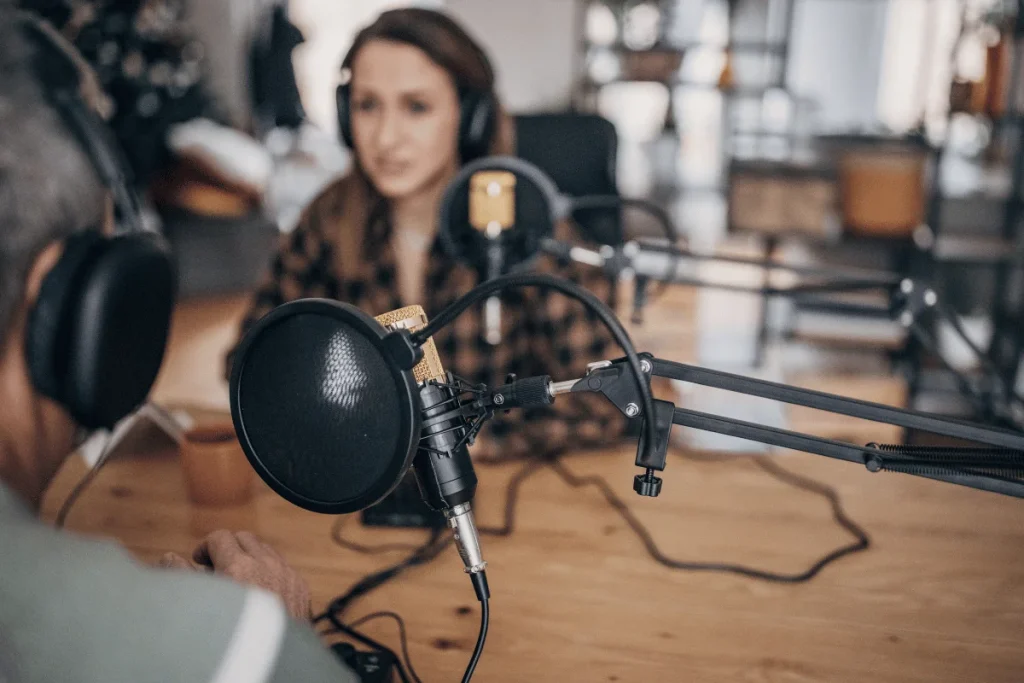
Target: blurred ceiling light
(637, 109)
(601, 27)
(603, 65)
(702, 65)
(641, 26)
(714, 23)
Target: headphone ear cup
(48, 329)
(120, 328)
(477, 126)
(343, 97)
(96, 336)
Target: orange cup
(216, 470)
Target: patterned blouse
(543, 333)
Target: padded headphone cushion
(51, 318)
(477, 124)
(97, 334)
(120, 329)
(342, 98)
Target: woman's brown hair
(448, 45)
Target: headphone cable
(84, 482)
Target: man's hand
(246, 559)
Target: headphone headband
(61, 78)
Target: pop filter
(325, 416)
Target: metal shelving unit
(1003, 252)
(999, 254)
(1007, 344)
(778, 49)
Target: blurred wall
(532, 44)
(226, 28)
(836, 53)
(836, 59)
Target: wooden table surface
(938, 597)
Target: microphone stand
(910, 303)
(998, 467)
(492, 307)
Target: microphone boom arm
(998, 468)
(626, 383)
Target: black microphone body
(442, 464)
(444, 470)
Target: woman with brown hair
(420, 102)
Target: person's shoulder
(331, 196)
(84, 609)
(329, 204)
(75, 608)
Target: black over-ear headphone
(97, 333)
(477, 120)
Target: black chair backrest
(578, 152)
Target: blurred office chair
(578, 151)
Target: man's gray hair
(48, 187)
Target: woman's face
(405, 118)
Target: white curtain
(916, 63)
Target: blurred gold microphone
(492, 210)
(492, 202)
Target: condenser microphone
(493, 217)
(498, 214)
(444, 470)
(492, 210)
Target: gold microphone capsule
(492, 201)
(413, 318)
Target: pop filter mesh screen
(320, 408)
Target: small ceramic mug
(216, 470)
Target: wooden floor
(938, 597)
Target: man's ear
(41, 267)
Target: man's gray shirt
(77, 610)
